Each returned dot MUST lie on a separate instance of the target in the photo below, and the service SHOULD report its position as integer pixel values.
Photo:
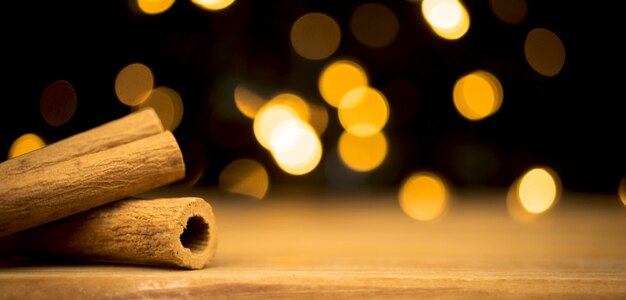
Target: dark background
(573, 122)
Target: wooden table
(337, 245)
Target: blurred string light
(374, 25)
(315, 36)
(362, 154)
(57, 103)
(514, 206)
(168, 105)
(447, 18)
(539, 190)
(622, 190)
(544, 52)
(26, 143)
(512, 12)
(315, 115)
(299, 106)
(245, 177)
(281, 127)
(363, 111)
(477, 95)
(248, 102)
(340, 77)
(213, 4)
(535, 192)
(268, 118)
(134, 84)
(423, 196)
(295, 147)
(153, 7)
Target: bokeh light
(447, 18)
(374, 25)
(213, 4)
(340, 77)
(360, 153)
(248, 102)
(245, 177)
(423, 196)
(26, 143)
(622, 190)
(514, 206)
(366, 74)
(57, 103)
(512, 12)
(538, 190)
(295, 102)
(295, 146)
(134, 84)
(544, 52)
(268, 118)
(293, 142)
(363, 111)
(315, 36)
(477, 95)
(168, 105)
(153, 7)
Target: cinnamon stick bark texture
(42, 195)
(166, 232)
(132, 127)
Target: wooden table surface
(336, 245)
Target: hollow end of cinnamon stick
(174, 232)
(195, 235)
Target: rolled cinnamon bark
(39, 195)
(167, 232)
(132, 127)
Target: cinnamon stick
(169, 232)
(34, 196)
(132, 127)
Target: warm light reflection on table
(313, 244)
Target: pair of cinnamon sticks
(73, 198)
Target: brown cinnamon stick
(171, 232)
(34, 196)
(132, 127)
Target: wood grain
(43, 195)
(330, 245)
